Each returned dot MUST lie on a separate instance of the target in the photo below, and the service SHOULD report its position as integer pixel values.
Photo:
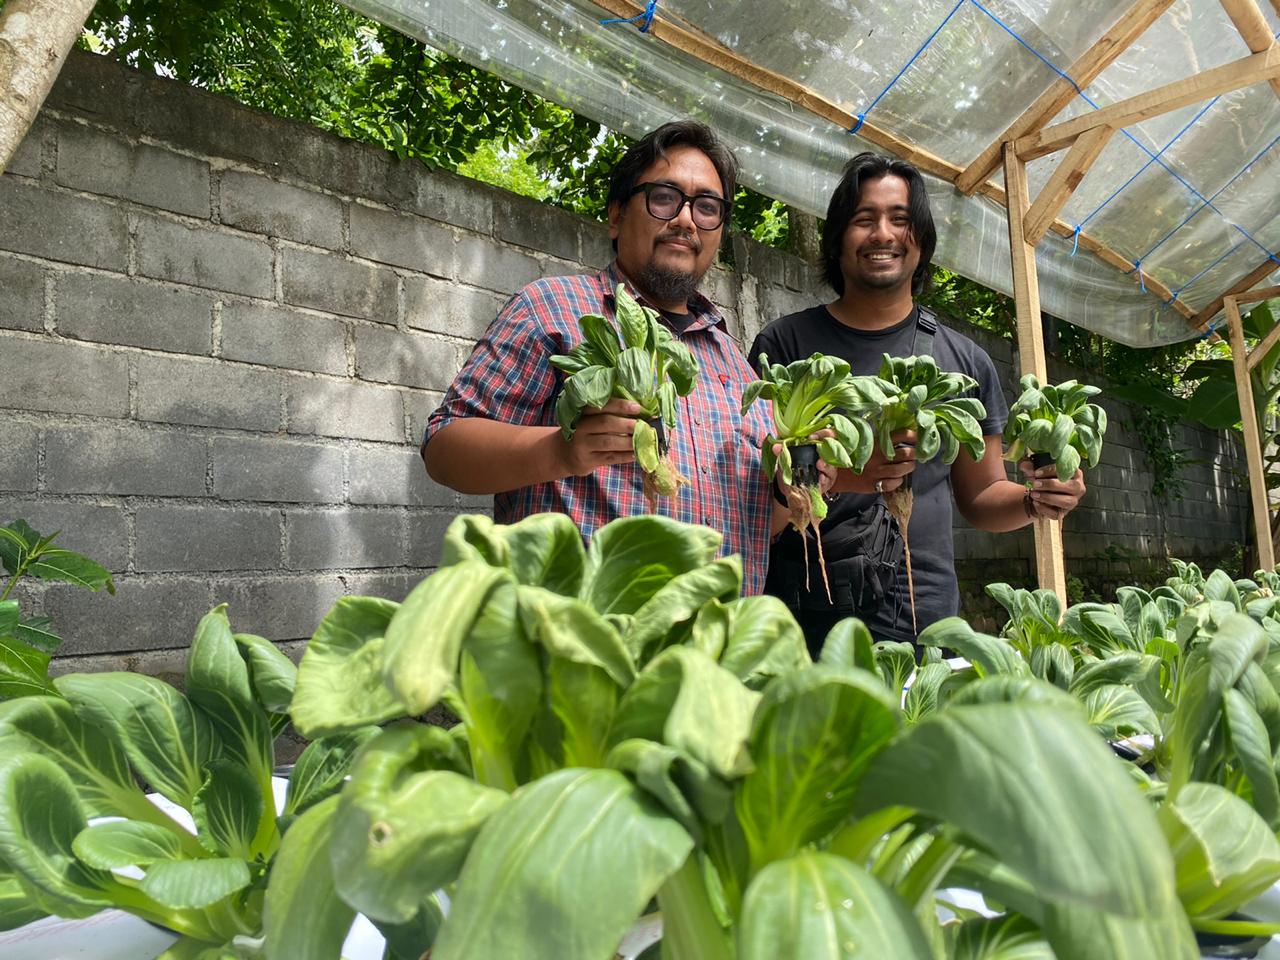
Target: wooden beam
(689, 41)
(1209, 83)
(1050, 568)
(1253, 296)
(1265, 344)
(35, 37)
(1252, 437)
(1055, 194)
(1253, 28)
(1049, 104)
(1250, 279)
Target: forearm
(479, 456)
(998, 508)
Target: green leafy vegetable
(1057, 421)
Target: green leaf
(218, 683)
(1224, 853)
(36, 632)
(686, 700)
(988, 654)
(95, 763)
(682, 366)
(924, 695)
(644, 441)
(304, 917)
(760, 639)
(823, 907)
(68, 567)
(657, 623)
(168, 742)
(1215, 404)
(386, 854)
(631, 318)
(545, 550)
(40, 817)
(1117, 711)
(686, 788)
(425, 636)
(583, 700)
(1010, 937)
(24, 671)
(228, 811)
(339, 686)
(321, 768)
(636, 376)
(568, 628)
(1252, 746)
(413, 940)
(16, 908)
(125, 843)
(849, 644)
(521, 892)
(602, 337)
(632, 558)
(1103, 872)
(815, 732)
(271, 673)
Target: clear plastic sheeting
(1192, 196)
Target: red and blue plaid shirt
(508, 378)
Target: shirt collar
(705, 313)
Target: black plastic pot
(1228, 946)
(804, 465)
(660, 427)
(1042, 459)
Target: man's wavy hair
(678, 133)
(844, 203)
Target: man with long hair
(877, 244)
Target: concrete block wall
(221, 335)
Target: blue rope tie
(643, 20)
(1210, 330)
(861, 117)
(1075, 239)
(1141, 280)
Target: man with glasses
(495, 432)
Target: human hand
(1049, 498)
(827, 474)
(881, 475)
(602, 437)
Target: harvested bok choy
(646, 365)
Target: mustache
(691, 238)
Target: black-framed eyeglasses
(664, 202)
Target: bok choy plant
(928, 402)
(79, 835)
(1055, 424)
(631, 729)
(810, 398)
(646, 365)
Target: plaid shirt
(508, 378)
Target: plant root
(900, 502)
(807, 513)
(666, 481)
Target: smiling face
(665, 259)
(878, 251)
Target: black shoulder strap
(926, 327)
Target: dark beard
(667, 286)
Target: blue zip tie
(1075, 241)
(1170, 301)
(914, 57)
(642, 19)
(1210, 330)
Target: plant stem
(926, 873)
(690, 929)
(1236, 928)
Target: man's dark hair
(844, 203)
(678, 133)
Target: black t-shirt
(798, 336)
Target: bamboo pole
(35, 37)
(1050, 566)
(1252, 436)
(1049, 104)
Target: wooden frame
(1252, 27)
(1243, 360)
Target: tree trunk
(35, 37)
(805, 236)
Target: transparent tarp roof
(1192, 195)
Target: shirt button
(706, 469)
(697, 421)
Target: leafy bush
(26, 642)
